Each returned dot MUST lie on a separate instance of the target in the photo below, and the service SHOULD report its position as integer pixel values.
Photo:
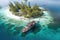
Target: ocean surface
(10, 29)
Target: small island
(25, 10)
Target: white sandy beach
(44, 20)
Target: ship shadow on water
(35, 29)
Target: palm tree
(25, 1)
(18, 5)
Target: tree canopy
(26, 10)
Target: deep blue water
(51, 33)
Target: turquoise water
(43, 30)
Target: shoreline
(45, 18)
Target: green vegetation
(25, 10)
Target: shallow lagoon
(42, 31)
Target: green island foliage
(25, 10)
